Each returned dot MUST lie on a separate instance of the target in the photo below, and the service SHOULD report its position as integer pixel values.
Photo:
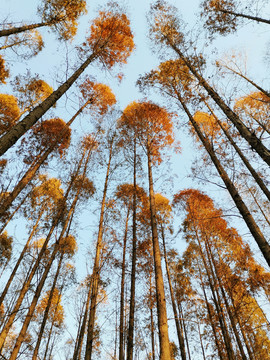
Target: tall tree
(110, 42)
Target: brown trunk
(178, 328)
(227, 306)
(250, 137)
(210, 316)
(96, 267)
(78, 347)
(250, 168)
(245, 16)
(40, 286)
(152, 322)
(183, 326)
(28, 176)
(122, 295)
(46, 312)
(241, 206)
(217, 301)
(19, 29)
(130, 339)
(18, 130)
(21, 257)
(160, 293)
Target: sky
(56, 58)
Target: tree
(153, 126)
(110, 42)
(166, 29)
(50, 137)
(222, 16)
(60, 15)
(171, 84)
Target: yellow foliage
(68, 245)
(4, 72)
(9, 112)
(208, 125)
(5, 247)
(56, 312)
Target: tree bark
(130, 339)
(122, 295)
(18, 130)
(96, 267)
(248, 135)
(241, 206)
(19, 29)
(160, 293)
(176, 319)
(245, 16)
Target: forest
(134, 188)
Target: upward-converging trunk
(245, 16)
(130, 340)
(160, 293)
(248, 135)
(177, 324)
(241, 206)
(18, 130)
(96, 267)
(23, 28)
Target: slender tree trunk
(248, 135)
(12, 275)
(176, 319)
(210, 316)
(38, 260)
(183, 326)
(130, 339)
(19, 29)
(215, 275)
(96, 267)
(201, 342)
(160, 293)
(48, 306)
(78, 347)
(40, 286)
(122, 295)
(241, 206)
(248, 80)
(250, 168)
(18, 130)
(245, 16)
(152, 322)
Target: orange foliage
(84, 186)
(49, 132)
(100, 96)
(152, 124)
(4, 73)
(5, 247)
(124, 192)
(9, 112)
(110, 37)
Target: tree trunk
(178, 328)
(46, 312)
(245, 16)
(122, 296)
(152, 322)
(19, 29)
(12, 275)
(250, 137)
(130, 339)
(96, 267)
(160, 293)
(250, 168)
(241, 206)
(18, 130)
